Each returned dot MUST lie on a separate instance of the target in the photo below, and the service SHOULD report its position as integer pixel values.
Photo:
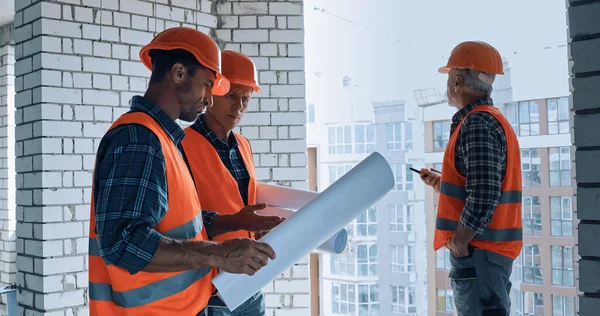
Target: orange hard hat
(239, 68)
(479, 56)
(200, 45)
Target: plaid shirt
(230, 156)
(130, 189)
(481, 158)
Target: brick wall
(584, 29)
(74, 78)
(7, 157)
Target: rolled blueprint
(311, 226)
(334, 245)
(284, 197)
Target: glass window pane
(554, 178)
(565, 178)
(359, 134)
(347, 134)
(552, 110)
(408, 132)
(371, 133)
(563, 127)
(553, 128)
(397, 132)
(331, 132)
(524, 112)
(390, 132)
(535, 129)
(563, 109)
(534, 112)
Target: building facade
(383, 270)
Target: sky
(392, 47)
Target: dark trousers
(480, 282)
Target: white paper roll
(334, 245)
(284, 197)
(311, 226)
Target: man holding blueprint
(149, 251)
(479, 209)
(223, 168)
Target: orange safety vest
(217, 189)
(114, 291)
(504, 233)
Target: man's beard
(189, 104)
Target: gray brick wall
(7, 157)
(73, 78)
(584, 30)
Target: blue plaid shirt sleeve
(483, 151)
(130, 196)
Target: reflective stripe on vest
(495, 235)
(460, 193)
(147, 293)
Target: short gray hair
(477, 80)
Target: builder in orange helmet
(222, 164)
(479, 209)
(150, 252)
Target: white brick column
(7, 157)
(272, 34)
(74, 78)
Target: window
(445, 300)
(399, 135)
(441, 134)
(533, 304)
(560, 166)
(367, 259)
(562, 266)
(442, 259)
(517, 271)
(563, 305)
(403, 299)
(532, 264)
(401, 217)
(529, 118)
(517, 296)
(402, 258)
(343, 298)
(337, 171)
(511, 112)
(311, 113)
(403, 176)
(532, 216)
(366, 223)
(343, 264)
(530, 166)
(364, 138)
(368, 300)
(558, 116)
(561, 216)
(340, 139)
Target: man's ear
(459, 81)
(178, 73)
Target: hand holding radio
(430, 177)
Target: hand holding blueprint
(284, 201)
(311, 226)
